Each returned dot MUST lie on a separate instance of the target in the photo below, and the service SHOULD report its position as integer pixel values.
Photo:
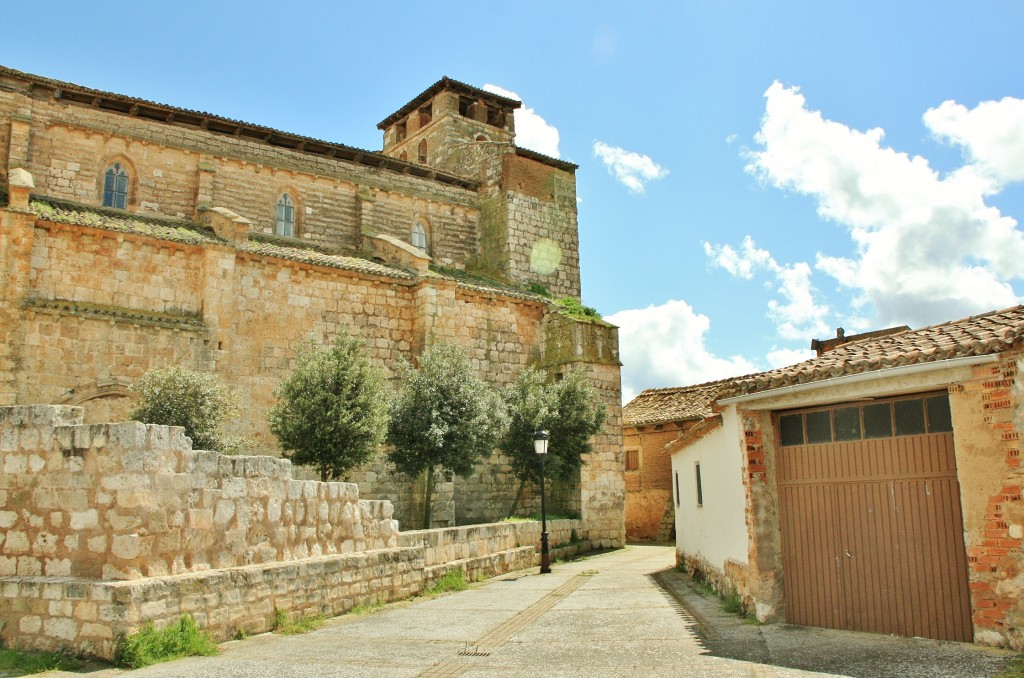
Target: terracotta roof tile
(978, 335)
(656, 405)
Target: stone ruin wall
(125, 501)
(107, 527)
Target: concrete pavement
(602, 616)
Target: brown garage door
(872, 534)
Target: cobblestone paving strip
(506, 630)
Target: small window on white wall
(700, 489)
(677, 487)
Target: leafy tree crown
(443, 416)
(570, 410)
(332, 410)
(198, 402)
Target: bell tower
(454, 127)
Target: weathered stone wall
(175, 170)
(107, 527)
(543, 239)
(593, 347)
(124, 501)
(86, 310)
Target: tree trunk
(519, 496)
(428, 492)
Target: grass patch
(22, 663)
(150, 646)
(574, 309)
(304, 624)
(731, 601)
(1015, 669)
(367, 609)
(453, 580)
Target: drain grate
(474, 653)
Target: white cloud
(664, 346)
(532, 131)
(633, 170)
(928, 248)
(741, 264)
(798, 315)
(991, 134)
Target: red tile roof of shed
(979, 335)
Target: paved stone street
(602, 616)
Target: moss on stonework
(163, 228)
(572, 307)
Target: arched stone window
(403, 156)
(419, 235)
(115, 186)
(423, 151)
(285, 216)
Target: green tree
(570, 410)
(443, 418)
(199, 402)
(332, 410)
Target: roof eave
(843, 380)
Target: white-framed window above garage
(115, 186)
(285, 216)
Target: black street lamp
(540, 446)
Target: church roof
(245, 131)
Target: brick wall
(991, 480)
(649, 488)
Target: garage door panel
(872, 536)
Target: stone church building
(136, 235)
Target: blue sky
(752, 174)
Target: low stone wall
(124, 501)
(107, 527)
(471, 548)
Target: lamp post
(540, 446)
